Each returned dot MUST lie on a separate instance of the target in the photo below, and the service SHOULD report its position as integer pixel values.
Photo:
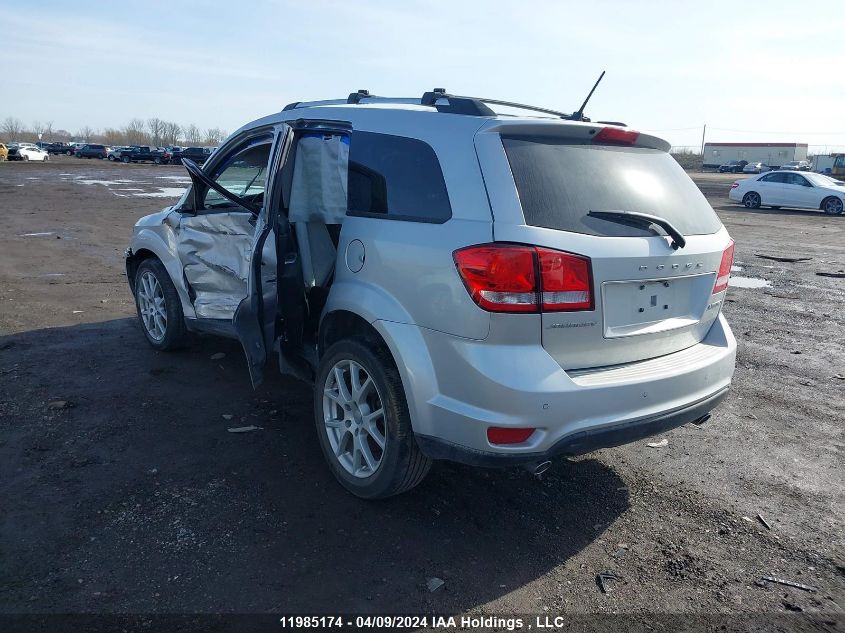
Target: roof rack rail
(455, 104)
(356, 97)
(459, 102)
(523, 106)
(444, 101)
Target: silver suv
(457, 284)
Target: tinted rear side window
(559, 183)
(395, 177)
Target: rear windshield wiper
(643, 219)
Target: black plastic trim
(400, 218)
(577, 443)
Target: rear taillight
(565, 281)
(724, 269)
(515, 278)
(735, 185)
(504, 435)
(616, 136)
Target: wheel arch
(149, 244)
(133, 261)
(831, 196)
(402, 341)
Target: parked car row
(743, 166)
(127, 154)
(145, 153)
(22, 151)
(786, 188)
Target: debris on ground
(750, 416)
(778, 258)
(602, 579)
(244, 429)
(839, 275)
(218, 356)
(787, 583)
(59, 404)
(435, 584)
(623, 547)
(839, 376)
(660, 444)
(764, 522)
(228, 416)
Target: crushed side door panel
(216, 252)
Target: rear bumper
(457, 388)
(578, 443)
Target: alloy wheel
(152, 306)
(353, 414)
(833, 206)
(752, 200)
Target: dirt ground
(122, 491)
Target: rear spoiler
(577, 132)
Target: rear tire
(751, 200)
(68, 153)
(158, 306)
(370, 461)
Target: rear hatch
(649, 294)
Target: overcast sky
(752, 71)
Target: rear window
(559, 183)
(397, 178)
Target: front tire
(158, 306)
(751, 200)
(363, 423)
(832, 205)
(125, 159)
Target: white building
(772, 154)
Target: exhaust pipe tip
(701, 420)
(537, 468)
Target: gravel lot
(122, 491)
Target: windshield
(559, 183)
(823, 181)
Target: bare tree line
(153, 131)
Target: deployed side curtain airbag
(215, 250)
(318, 191)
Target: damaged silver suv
(457, 284)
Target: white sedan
(790, 189)
(28, 151)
